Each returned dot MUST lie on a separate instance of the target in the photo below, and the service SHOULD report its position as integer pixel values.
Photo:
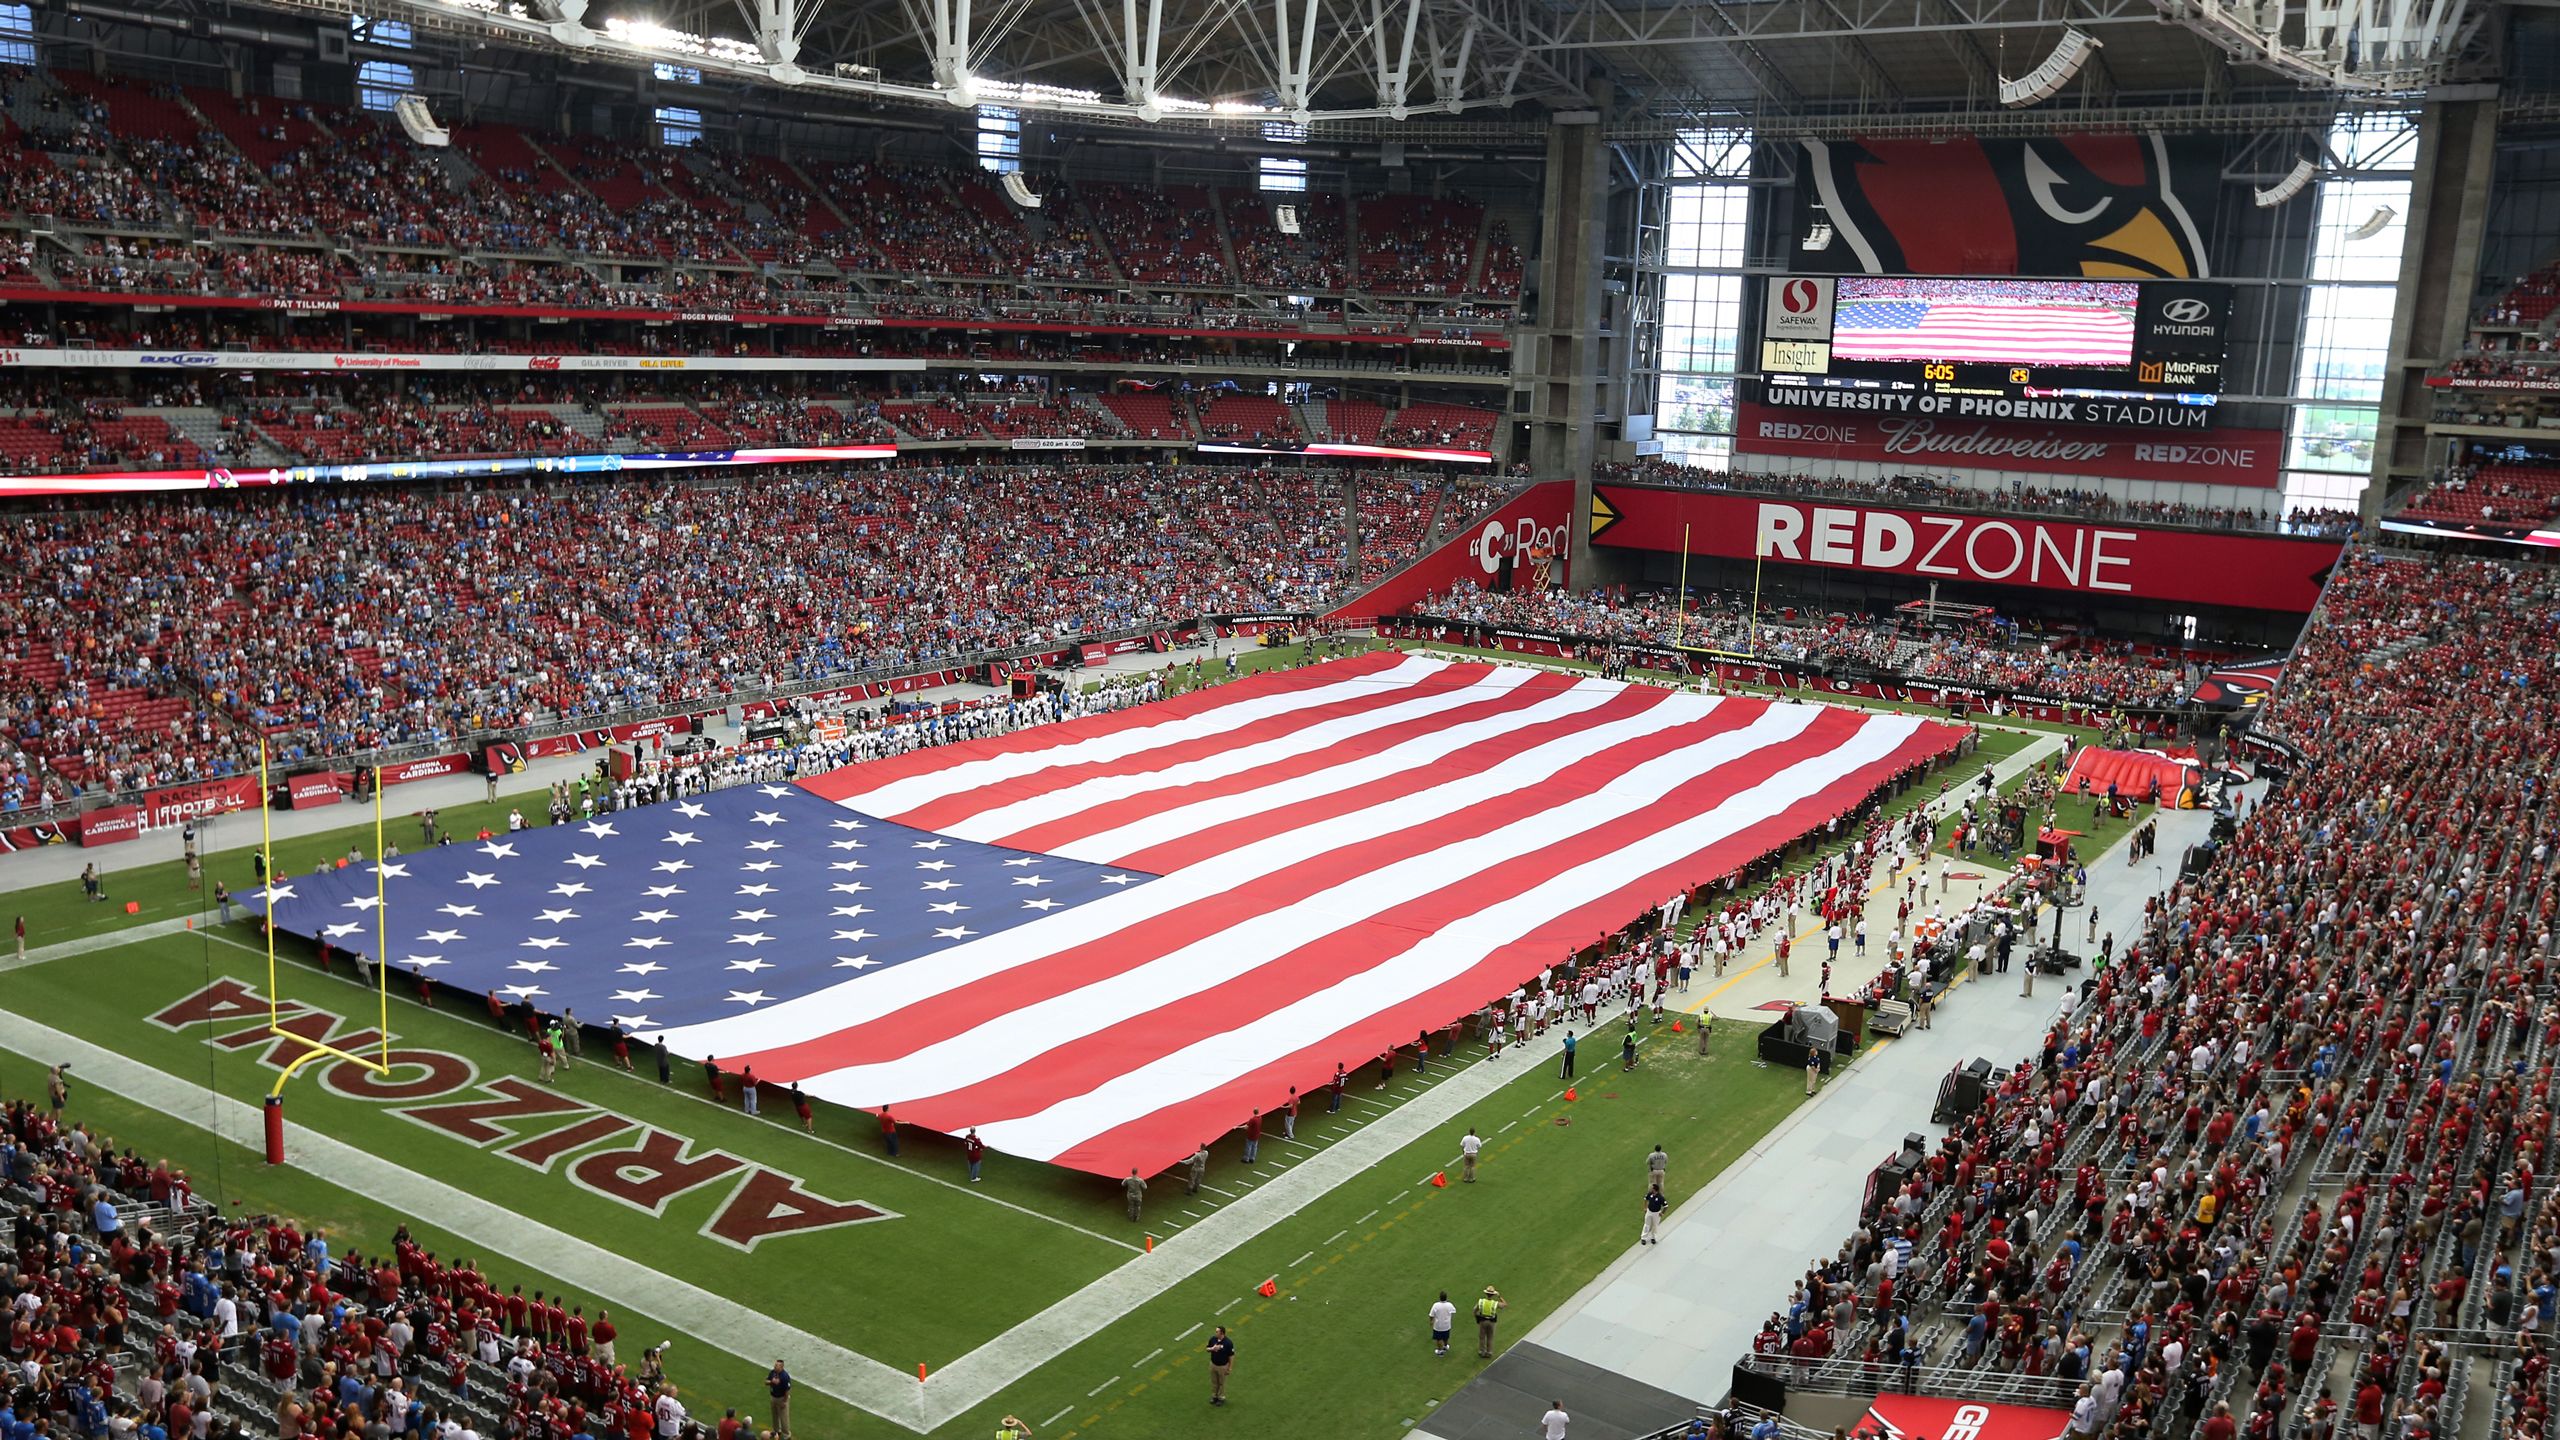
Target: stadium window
(1705, 233)
(2346, 321)
(1000, 138)
(1288, 176)
(679, 125)
(677, 74)
(17, 35)
(381, 83)
(393, 34)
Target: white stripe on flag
(1265, 1039)
(900, 796)
(993, 825)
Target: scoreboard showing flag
(1104, 941)
(1890, 336)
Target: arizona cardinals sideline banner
(2136, 562)
(1927, 1417)
(2116, 206)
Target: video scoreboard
(2122, 352)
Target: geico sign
(1515, 539)
(2081, 557)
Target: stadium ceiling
(1414, 67)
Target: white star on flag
(946, 907)
(661, 892)
(1034, 881)
(856, 936)
(533, 967)
(672, 867)
(1119, 879)
(478, 881)
(749, 997)
(541, 942)
(752, 917)
(1041, 904)
(459, 912)
(939, 885)
(759, 888)
(956, 932)
(643, 967)
(424, 962)
(393, 871)
(362, 902)
(933, 864)
(522, 992)
(636, 997)
(584, 862)
(599, 828)
(690, 810)
(853, 887)
(848, 865)
(775, 791)
(441, 937)
(765, 817)
(850, 911)
(848, 825)
(844, 844)
(570, 887)
(646, 942)
(634, 1022)
(855, 962)
(681, 838)
(751, 937)
(499, 850)
(554, 917)
(653, 917)
(751, 964)
(334, 931)
(276, 892)
(933, 844)
(1024, 860)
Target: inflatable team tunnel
(2133, 772)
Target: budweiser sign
(2218, 457)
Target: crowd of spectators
(2074, 669)
(153, 639)
(2275, 1171)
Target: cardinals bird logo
(2093, 206)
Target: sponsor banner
(177, 804)
(1799, 308)
(2037, 408)
(1046, 442)
(310, 360)
(2185, 320)
(121, 481)
(2459, 530)
(1350, 452)
(320, 787)
(2547, 381)
(111, 825)
(2223, 457)
(445, 310)
(1529, 526)
(430, 768)
(2072, 205)
(1929, 1417)
(29, 837)
(1795, 357)
(1095, 652)
(2199, 567)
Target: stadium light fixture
(2301, 175)
(2374, 224)
(2046, 80)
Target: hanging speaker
(419, 121)
(1020, 190)
(2047, 79)
(2291, 185)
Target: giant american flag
(1102, 942)
(2058, 333)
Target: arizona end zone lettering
(2145, 414)
(2197, 567)
(644, 1167)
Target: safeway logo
(1799, 308)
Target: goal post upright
(315, 1049)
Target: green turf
(1341, 1350)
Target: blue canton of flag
(687, 911)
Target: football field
(745, 1239)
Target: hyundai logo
(2185, 312)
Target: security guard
(1012, 1428)
(1488, 1310)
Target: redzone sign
(596, 1150)
(2258, 572)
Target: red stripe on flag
(1162, 1137)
